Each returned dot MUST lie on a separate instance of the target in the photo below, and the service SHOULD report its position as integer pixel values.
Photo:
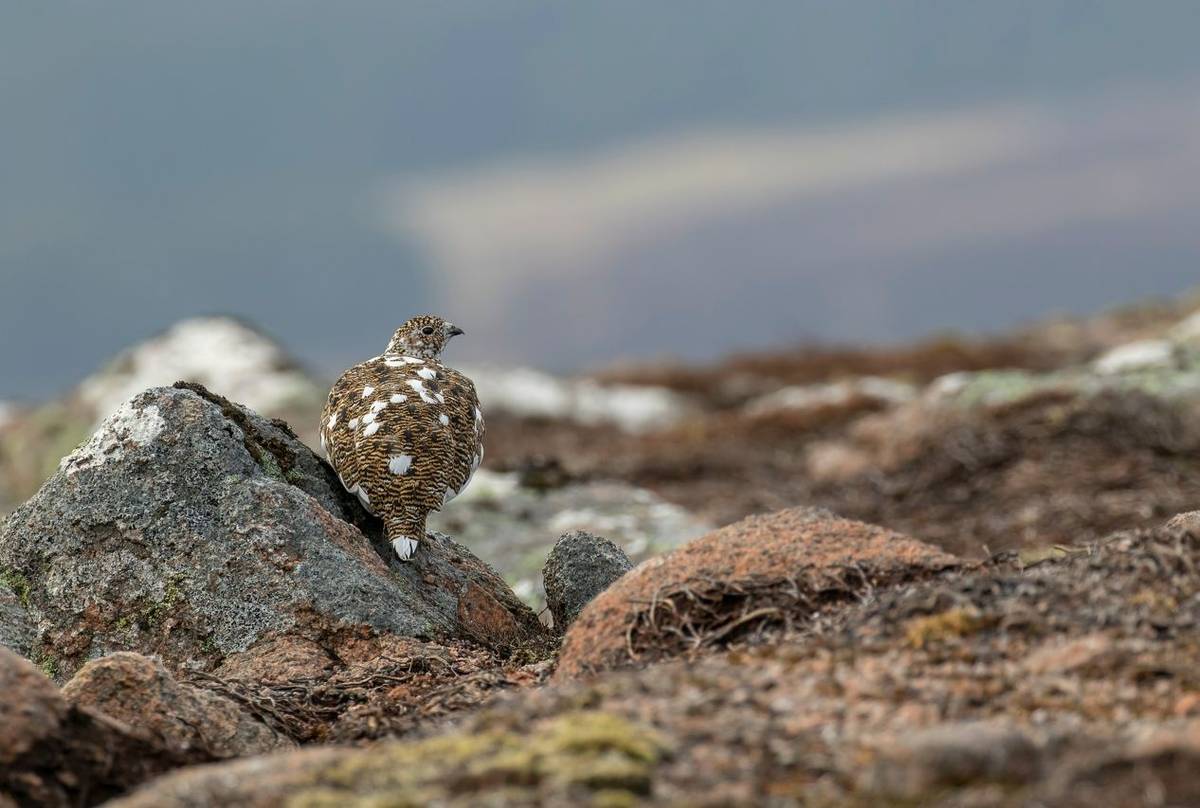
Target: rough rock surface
(54, 754)
(140, 692)
(762, 571)
(16, 632)
(192, 529)
(579, 568)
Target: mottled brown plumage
(404, 432)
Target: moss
(153, 615)
(945, 625)
(46, 662)
(17, 582)
(270, 467)
(597, 757)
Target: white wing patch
(400, 464)
(427, 374)
(419, 386)
(367, 391)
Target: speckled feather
(404, 431)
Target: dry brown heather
(1049, 469)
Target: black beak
(455, 331)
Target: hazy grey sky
(162, 159)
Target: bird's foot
(404, 547)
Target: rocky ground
(961, 573)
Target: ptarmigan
(404, 432)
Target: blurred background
(577, 183)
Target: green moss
(46, 662)
(599, 758)
(270, 466)
(17, 582)
(153, 615)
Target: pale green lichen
(598, 758)
(17, 582)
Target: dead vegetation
(389, 697)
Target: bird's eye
(427, 330)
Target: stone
(579, 568)
(190, 528)
(519, 524)
(140, 692)
(56, 754)
(767, 567)
(31, 709)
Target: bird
(404, 432)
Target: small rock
(519, 524)
(952, 755)
(579, 568)
(140, 692)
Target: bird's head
(424, 336)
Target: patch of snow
(813, 396)
(221, 353)
(130, 424)
(1149, 353)
(532, 393)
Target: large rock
(142, 693)
(191, 528)
(762, 572)
(579, 568)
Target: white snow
(221, 353)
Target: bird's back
(405, 434)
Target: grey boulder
(190, 528)
(579, 568)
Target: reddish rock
(763, 572)
(140, 692)
(54, 753)
(31, 709)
